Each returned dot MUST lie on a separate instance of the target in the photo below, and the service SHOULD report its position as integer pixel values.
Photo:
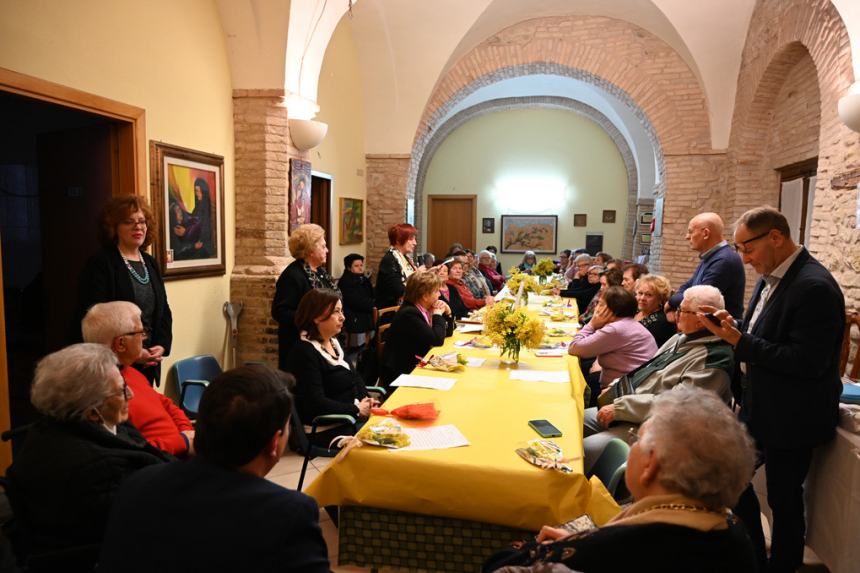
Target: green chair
(611, 465)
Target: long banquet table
(485, 482)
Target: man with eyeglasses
(118, 325)
(719, 265)
(789, 346)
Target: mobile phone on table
(544, 429)
(710, 316)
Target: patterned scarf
(320, 278)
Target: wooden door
(321, 210)
(450, 219)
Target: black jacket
(793, 383)
(322, 387)
(105, 278)
(390, 283)
(358, 302)
(453, 300)
(164, 520)
(289, 290)
(65, 477)
(408, 337)
(582, 291)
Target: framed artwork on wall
(488, 225)
(351, 221)
(188, 202)
(580, 220)
(645, 238)
(521, 233)
(646, 217)
(300, 193)
(593, 243)
(608, 216)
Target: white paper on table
(554, 376)
(475, 361)
(568, 326)
(470, 328)
(432, 382)
(433, 438)
(551, 352)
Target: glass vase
(510, 355)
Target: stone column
(386, 201)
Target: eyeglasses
(741, 246)
(144, 333)
(134, 222)
(682, 311)
(126, 392)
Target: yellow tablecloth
(486, 481)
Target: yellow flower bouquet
(527, 281)
(543, 269)
(512, 328)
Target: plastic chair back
(192, 376)
(611, 465)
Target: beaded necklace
(144, 280)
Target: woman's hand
(439, 307)
(602, 316)
(606, 415)
(489, 301)
(151, 356)
(364, 407)
(548, 534)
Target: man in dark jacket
(357, 291)
(217, 512)
(789, 347)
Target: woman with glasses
(74, 459)
(325, 383)
(122, 270)
(652, 292)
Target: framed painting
(188, 202)
(608, 216)
(580, 220)
(300, 193)
(351, 221)
(488, 225)
(646, 217)
(521, 233)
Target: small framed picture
(580, 220)
(488, 225)
(646, 217)
(645, 238)
(608, 216)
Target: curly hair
(120, 208)
(659, 283)
(305, 239)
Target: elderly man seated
(118, 326)
(693, 357)
(689, 465)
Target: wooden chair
(380, 340)
(851, 319)
(380, 312)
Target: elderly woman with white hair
(487, 267)
(693, 357)
(690, 463)
(307, 245)
(73, 460)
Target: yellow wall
(534, 161)
(341, 154)
(165, 56)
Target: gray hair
(107, 320)
(486, 252)
(70, 381)
(704, 452)
(708, 295)
(582, 258)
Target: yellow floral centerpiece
(511, 328)
(543, 269)
(528, 283)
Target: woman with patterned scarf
(396, 266)
(307, 245)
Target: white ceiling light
(849, 107)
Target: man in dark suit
(217, 512)
(719, 265)
(788, 345)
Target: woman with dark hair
(418, 326)
(307, 245)
(325, 384)
(202, 212)
(448, 294)
(123, 271)
(607, 278)
(358, 301)
(618, 341)
(396, 265)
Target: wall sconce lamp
(849, 107)
(307, 133)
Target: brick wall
(386, 202)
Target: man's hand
(190, 435)
(670, 313)
(606, 415)
(727, 329)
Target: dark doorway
(321, 209)
(57, 170)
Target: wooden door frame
(129, 173)
(331, 216)
(474, 199)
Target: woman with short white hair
(692, 460)
(75, 458)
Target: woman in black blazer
(450, 295)
(307, 245)
(396, 265)
(123, 271)
(419, 325)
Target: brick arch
(532, 102)
(781, 32)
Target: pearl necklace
(144, 280)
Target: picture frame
(608, 215)
(187, 190)
(521, 233)
(580, 220)
(645, 238)
(646, 217)
(300, 193)
(488, 225)
(351, 221)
